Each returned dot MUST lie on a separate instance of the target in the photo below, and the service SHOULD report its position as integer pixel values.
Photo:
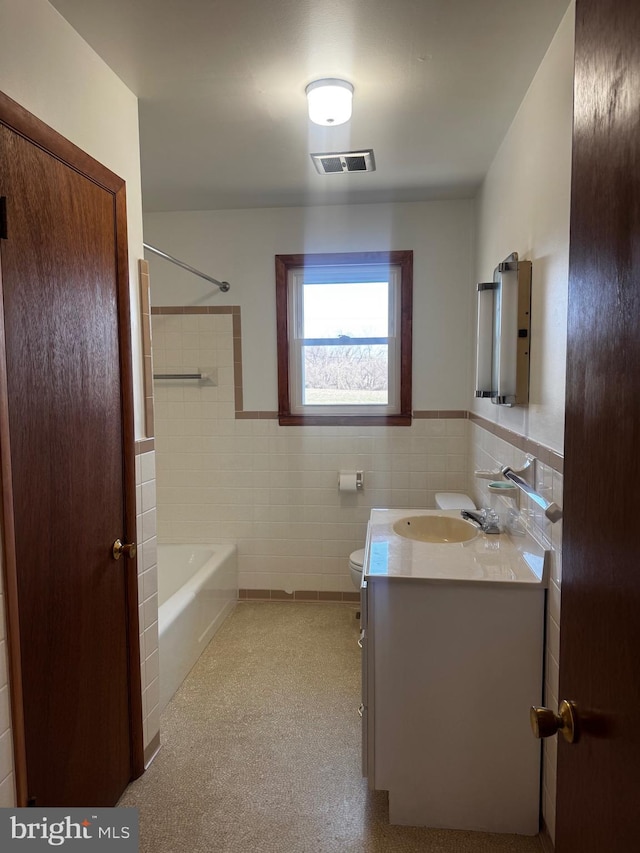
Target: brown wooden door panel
(65, 427)
(599, 777)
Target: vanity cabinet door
(366, 707)
(440, 659)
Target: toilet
(356, 562)
(444, 500)
(454, 500)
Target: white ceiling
(221, 84)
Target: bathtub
(197, 589)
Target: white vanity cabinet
(450, 667)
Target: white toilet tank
(454, 500)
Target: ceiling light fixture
(329, 101)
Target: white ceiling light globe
(329, 101)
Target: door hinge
(3, 218)
(31, 802)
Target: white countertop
(487, 559)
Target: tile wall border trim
(436, 414)
(255, 416)
(298, 595)
(145, 329)
(145, 445)
(547, 456)
(440, 414)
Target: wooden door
(68, 475)
(599, 777)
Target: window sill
(344, 420)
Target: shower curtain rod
(223, 285)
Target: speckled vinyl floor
(261, 749)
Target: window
(344, 338)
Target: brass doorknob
(129, 550)
(545, 723)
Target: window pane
(357, 310)
(345, 375)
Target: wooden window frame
(284, 264)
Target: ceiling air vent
(348, 161)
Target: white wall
(523, 206)
(47, 68)
(240, 245)
(51, 71)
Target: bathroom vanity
(452, 640)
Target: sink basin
(435, 528)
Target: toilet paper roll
(347, 481)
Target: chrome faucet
(486, 519)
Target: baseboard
(299, 595)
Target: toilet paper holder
(346, 479)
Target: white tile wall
(488, 452)
(274, 490)
(148, 591)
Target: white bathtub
(197, 589)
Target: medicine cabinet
(504, 312)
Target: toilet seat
(356, 562)
(356, 559)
